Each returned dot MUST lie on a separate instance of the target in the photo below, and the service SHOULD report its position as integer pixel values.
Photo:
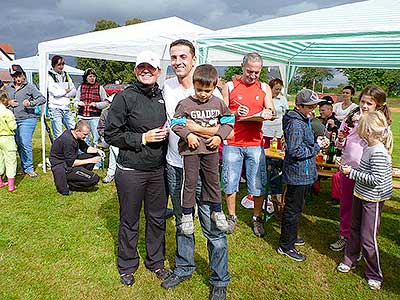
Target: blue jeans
(23, 138)
(58, 117)
(93, 129)
(217, 243)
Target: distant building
(7, 54)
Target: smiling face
(147, 74)
(59, 67)
(367, 104)
(306, 109)
(182, 60)
(346, 94)
(251, 71)
(325, 111)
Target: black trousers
(207, 165)
(135, 187)
(294, 204)
(76, 177)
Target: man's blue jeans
(58, 117)
(23, 138)
(216, 240)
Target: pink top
(352, 147)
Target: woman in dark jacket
(135, 125)
(25, 97)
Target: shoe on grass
(220, 220)
(299, 242)
(232, 221)
(187, 225)
(32, 174)
(218, 293)
(108, 178)
(258, 226)
(173, 281)
(342, 267)
(338, 245)
(374, 284)
(127, 279)
(162, 273)
(292, 254)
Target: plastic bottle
(273, 147)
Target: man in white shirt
(60, 90)
(183, 60)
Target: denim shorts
(253, 158)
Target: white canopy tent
(363, 34)
(121, 44)
(31, 65)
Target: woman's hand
(26, 103)
(13, 103)
(156, 135)
(193, 141)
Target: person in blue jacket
(299, 169)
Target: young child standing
(200, 153)
(8, 148)
(373, 185)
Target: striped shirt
(374, 175)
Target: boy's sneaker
(258, 226)
(162, 273)
(374, 284)
(218, 293)
(127, 279)
(232, 221)
(292, 254)
(187, 225)
(219, 218)
(342, 267)
(299, 242)
(108, 178)
(338, 245)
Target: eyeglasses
(61, 64)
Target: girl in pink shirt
(371, 98)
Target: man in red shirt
(247, 97)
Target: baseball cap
(326, 100)
(148, 57)
(307, 97)
(16, 69)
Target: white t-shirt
(173, 93)
(340, 113)
(269, 127)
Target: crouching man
(71, 169)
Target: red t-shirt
(247, 133)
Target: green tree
(309, 77)
(230, 72)
(109, 71)
(385, 78)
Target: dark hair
(349, 87)
(55, 59)
(379, 96)
(274, 82)
(206, 75)
(87, 73)
(184, 42)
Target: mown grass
(55, 247)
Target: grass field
(55, 247)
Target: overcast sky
(25, 23)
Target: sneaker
(187, 225)
(232, 221)
(69, 193)
(299, 242)
(258, 226)
(127, 279)
(292, 254)
(108, 178)
(220, 221)
(32, 174)
(173, 280)
(374, 284)
(338, 245)
(342, 267)
(218, 293)
(162, 273)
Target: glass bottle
(273, 147)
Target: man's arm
(80, 162)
